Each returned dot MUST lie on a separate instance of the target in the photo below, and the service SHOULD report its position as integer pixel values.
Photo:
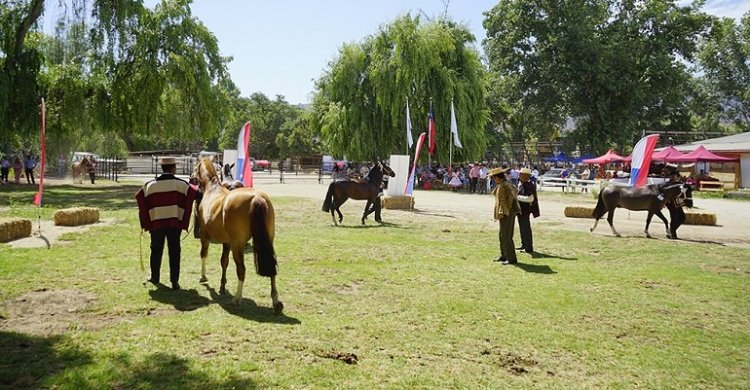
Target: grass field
(414, 303)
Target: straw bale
(76, 216)
(579, 212)
(14, 228)
(698, 218)
(398, 202)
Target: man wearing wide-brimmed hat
(164, 207)
(529, 203)
(506, 208)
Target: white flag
(454, 128)
(409, 138)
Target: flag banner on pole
(409, 190)
(431, 128)
(642, 160)
(454, 128)
(409, 138)
(244, 164)
(42, 157)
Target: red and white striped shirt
(165, 203)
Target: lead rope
(140, 249)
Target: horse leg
(338, 204)
(278, 307)
(648, 222)
(596, 222)
(366, 212)
(611, 218)
(204, 255)
(224, 265)
(378, 207)
(666, 224)
(238, 252)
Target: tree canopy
(615, 68)
(359, 108)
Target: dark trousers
(172, 236)
(473, 184)
(524, 227)
(30, 176)
(507, 248)
(93, 176)
(4, 174)
(676, 218)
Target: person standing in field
(164, 207)
(506, 208)
(529, 203)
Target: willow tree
(125, 69)
(359, 108)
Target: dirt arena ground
(732, 229)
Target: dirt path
(733, 216)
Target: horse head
(205, 173)
(228, 171)
(686, 195)
(386, 169)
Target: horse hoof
(278, 307)
(236, 301)
(203, 279)
(617, 235)
(591, 230)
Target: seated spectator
(455, 182)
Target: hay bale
(579, 212)
(76, 216)
(698, 218)
(398, 202)
(14, 228)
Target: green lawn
(417, 303)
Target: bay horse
(651, 198)
(341, 190)
(80, 168)
(232, 218)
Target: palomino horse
(232, 218)
(79, 169)
(651, 198)
(340, 191)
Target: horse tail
(600, 209)
(328, 202)
(263, 252)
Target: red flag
(38, 195)
(431, 128)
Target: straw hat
(525, 171)
(168, 161)
(497, 171)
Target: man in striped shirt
(164, 207)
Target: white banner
(400, 165)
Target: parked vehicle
(259, 165)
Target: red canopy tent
(702, 154)
(606, 158)
(668, 154)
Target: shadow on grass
(534, 268)
(420, 212)
(539, 255)
(249, 310)
(114, 196)
(699, 241)
(158, 371)
(371, 226)
(182, 300)
(27, 360)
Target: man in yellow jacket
(506, 209)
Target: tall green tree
(616, 68)
(725, 61)
(142, 74)
(360, 104)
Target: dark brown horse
(232, 218)
(651, 198)
(369, 189)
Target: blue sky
(280, 46)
